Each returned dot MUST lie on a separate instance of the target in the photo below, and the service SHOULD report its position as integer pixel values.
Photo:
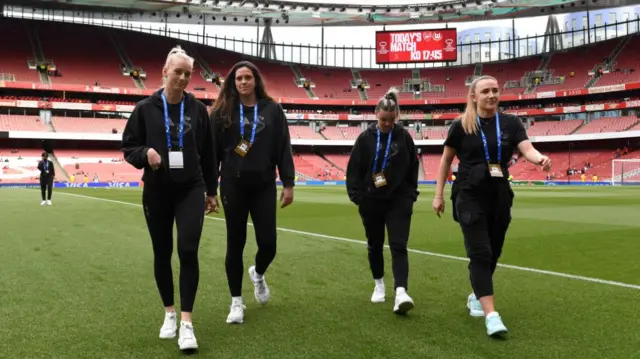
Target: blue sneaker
(475, 308)
(494, 324)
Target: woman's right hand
(438, 205)
(154, 159)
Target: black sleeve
(217, 140)
(519, 132)
(134, 139)
(208, 159)
(41, 166)
(355, 174)
(53, 168)
(454, 135)
(284, 155)
(414, 163)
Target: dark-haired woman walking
(252, 139)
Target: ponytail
(470, 115)
(389, 102)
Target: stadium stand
(99, 63)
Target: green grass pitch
(77, 281)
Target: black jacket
(145, 129)
(401, 171)
(271, 147)
(51, 169)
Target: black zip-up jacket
(145, 129)
(43, 175)
(271, 147)
(401, 171)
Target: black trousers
(46, 187)
(186, 206)
(239, 201)
(394, 214)
(484, 234)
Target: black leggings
(238, 202)
(186, 206)
(395, 214)
(46, 187)
(483, 239)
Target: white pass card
(176, 159)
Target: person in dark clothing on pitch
(169, 135)
(484, 140)
(47, 174)
(382, 180)
(252, 139)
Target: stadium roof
(321, 12)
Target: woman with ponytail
(484, 140)
(382, 180)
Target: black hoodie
(401, 171)
(271, 147)
(146, 129)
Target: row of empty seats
(106, 126)
(108, 165)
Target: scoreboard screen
(434, 45)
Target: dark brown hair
(228, 97)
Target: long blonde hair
(470, 115)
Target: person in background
(169, 135)
(47, 174)
(252, 140)
(484, 140)
(382, 180)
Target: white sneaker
(378, 295)
(261, 290)
(475, 308)
(236, 314)
(404, 303)
(49, 202)
(169, 327)
(187, 339)
(43, 203)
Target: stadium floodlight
(625, 171)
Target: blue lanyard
(386, 152)
(255, 123)
(46, 165)
(498, 137)
(167, 123)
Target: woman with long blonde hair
(483, 139)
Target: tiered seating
(99, 166)
(89, 124)
(78, 62)
(380, 81)
(553, 128)
(335, 83)
(304, 133)
(580, 60)
(454, 87)
(21, 123)
(511, 71)
(313, 167)
(627, 59)
(19, 166)
(613, 124)
(16, 51)
(431, 164)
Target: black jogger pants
(484, 236)
(239, 201)
(46, 188)
(186, 206)
(394, 214)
